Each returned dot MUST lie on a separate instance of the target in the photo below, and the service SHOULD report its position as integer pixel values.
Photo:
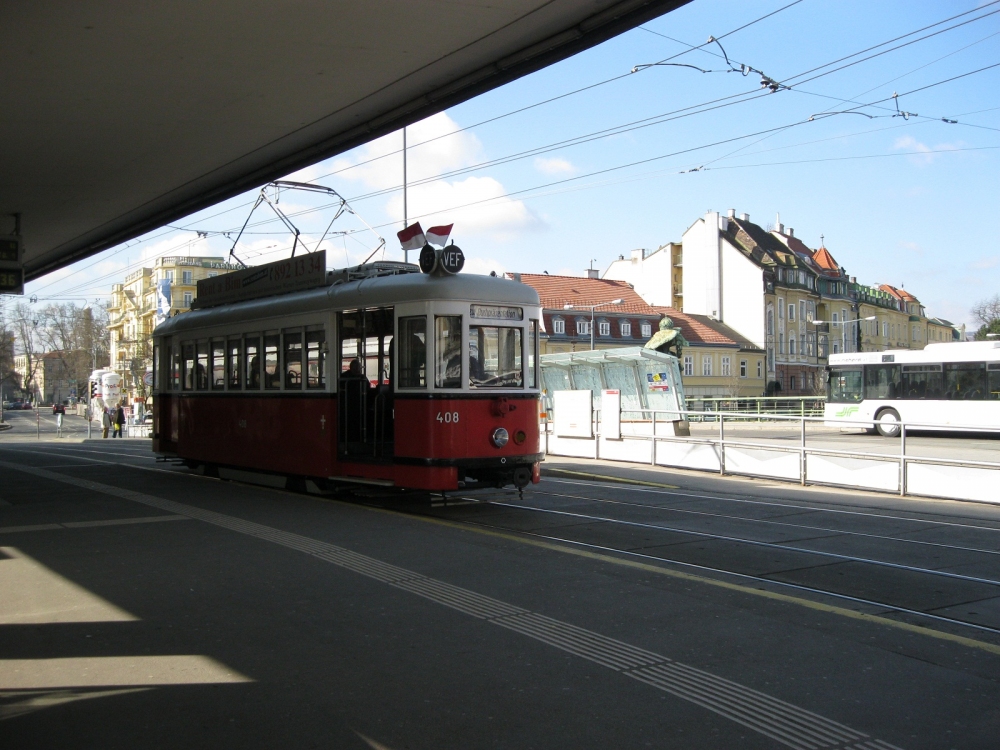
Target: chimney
(745, 217)
(731, 213)
(854, 279)
(637, 255)
(777, 224)
(791, 232)
(593, 273)
(723, 224)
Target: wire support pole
(406, 213)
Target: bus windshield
(845, 386)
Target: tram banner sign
(282, 276)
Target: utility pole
(406, 221)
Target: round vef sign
(452, 259)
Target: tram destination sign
(280, 277)
(496, 312)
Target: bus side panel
(427, 428)
(289, 434)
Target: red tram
(381, 375)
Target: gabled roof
(826, 261)
(556, 292)
(701, 330)
(900, 294)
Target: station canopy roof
(119, 118)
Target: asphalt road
(142, 605)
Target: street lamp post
(592, 308)
(855, 321)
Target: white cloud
(924, 154)
(984, 264)
(553, 166)
(438, 200)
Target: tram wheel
(887, 423)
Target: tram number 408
(449, 417)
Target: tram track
(759, 579)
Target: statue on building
(668, 339)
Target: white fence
(898, 472)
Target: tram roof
(956, 351)
(380, 291)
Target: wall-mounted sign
(280, 277)
(11, 269)
(496, 312)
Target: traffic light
(93, 389)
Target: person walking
(119, 421)
(106, 421)
(60, 411)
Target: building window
(626, 328)
(582, 328)
(812, 310)
(168, 276)
(781, 307)
(802, 309)
(186, 277)
(791, 345)
(558, 325)
(604, 328)
(781, 343)
(836, 348)
(791, 383)
(743, 368)
(802, 344)
(688, 364)
(188, 298)
(726, 367)
(885, 330)
(706, 364)
(770, 322)
(791, 311)
(647, 330)
(760, 369)
(836, 320)
(212, 274)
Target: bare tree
(987, 313)
(24, 321)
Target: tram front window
(495, 357)
(413, 352)
(845, 386)
(448, 351)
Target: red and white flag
(439, 235)
(412, 238)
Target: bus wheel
(887, 423)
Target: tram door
(365, 388)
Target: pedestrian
(106, 421)
(60, 411)
(119, 421)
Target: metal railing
(901, 458)
(705, 408)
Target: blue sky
(907, 201)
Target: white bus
(948, 386)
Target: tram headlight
(499, 437)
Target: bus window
(993, 381)
(448, 351)
(252, 355)
(413, 352)
(315, 358)
(293, 360)
(495, 357)
(272, 378)
(844, 386)
(965, 380)
(218, 365)
(187, 365)
(922, 382)
(882, 381)
(201, 370)
(233, 368)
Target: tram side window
(201, 371)
(156, 367)
(844, 386)
(315, 358)
(965, 381)
(272, 378)
(993, 381)
(921, 382)
(495, 357)
(882, 381)
(448, 351)
(187, 365)
(413, 352)
(218, 365)
(176, 368)
(293, 360)
(233, 368)
(252, 355)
